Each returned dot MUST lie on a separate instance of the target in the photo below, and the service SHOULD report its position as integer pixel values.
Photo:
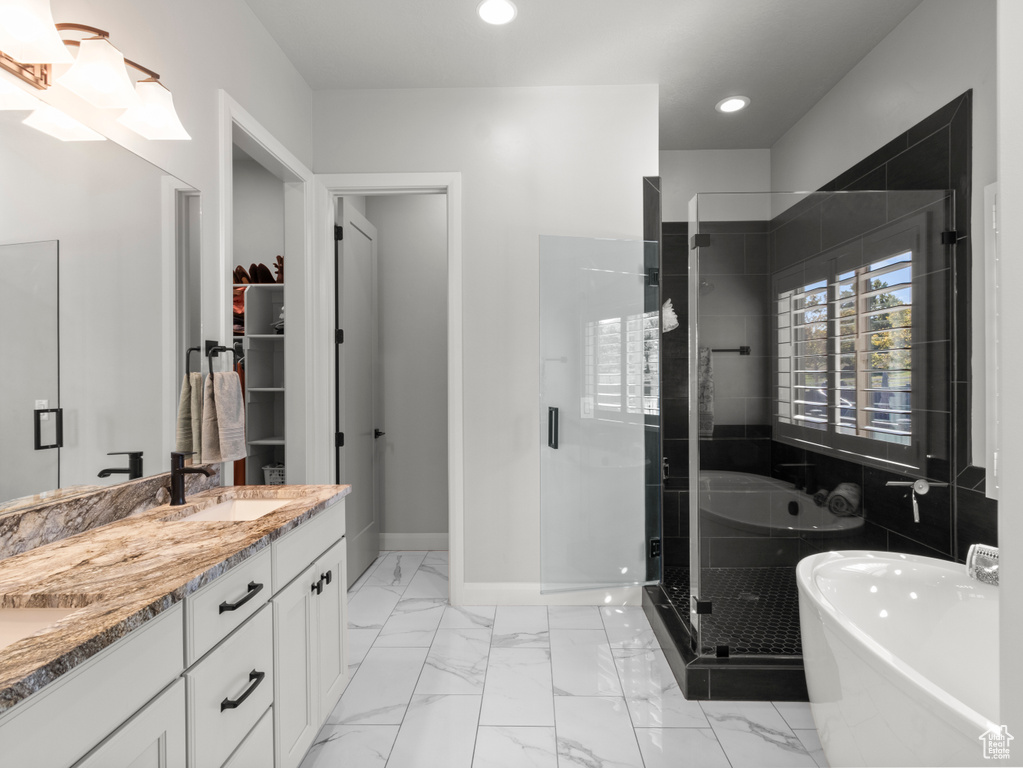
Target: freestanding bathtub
(755, 504)
(901, 659)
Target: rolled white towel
(844, 500)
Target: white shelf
(268, 441)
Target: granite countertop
(120, 575)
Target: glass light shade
(27, 33)
(12, 97)
(99, 75)
(55, 123)
(497, 11)
(153, 115)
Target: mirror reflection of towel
(223, 418)
(189, 428)
(705, 380)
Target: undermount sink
(19, 623)
(238, 510)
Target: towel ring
(188, 359)
(214, 351)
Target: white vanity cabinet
(153, 738)
(64, 721)
(311, 673)
(240, 674)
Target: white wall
(412, 280)
(565, 161)
(1010, 518)
(942, 49)
(258, 214)
(685, 173)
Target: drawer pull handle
(328, 576)
(318, 587)
(255, 678)
(254, 589)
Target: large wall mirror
(99, 258)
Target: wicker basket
(273, 474)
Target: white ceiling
(783, 54)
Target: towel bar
(188, 359)
(214, 351)
(740, 350)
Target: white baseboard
(413, 541)
(528, 593)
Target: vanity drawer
(257, 751)
(216, 610)
(229, 690)
(295, 550)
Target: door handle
(378, 433)
(37, 419)
(552, 427)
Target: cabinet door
(331, 630)
(153, 738)
(295, 722)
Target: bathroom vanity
(208, 635)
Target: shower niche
(813, 368)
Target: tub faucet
(178, 472)
(133, 470)
(804, 480)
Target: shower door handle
(552, 427)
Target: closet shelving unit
(264, 379)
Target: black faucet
(133, 470)
(802, 480)
(178, 472)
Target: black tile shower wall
(934, 154)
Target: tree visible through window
(845, 360)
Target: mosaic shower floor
(755, 610)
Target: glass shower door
(30, 421)
(599, 413)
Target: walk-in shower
(815, 370)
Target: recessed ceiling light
(732, 104)
(497, 11)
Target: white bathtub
(901, 658)
(761, 505)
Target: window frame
(928, 408)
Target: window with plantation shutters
(849, 356)
(622, 366)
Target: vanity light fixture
(153, 116)
(55, 123)
(732, 104)
(497, 11)
(28, 35)
(98, 74)
(12, 97)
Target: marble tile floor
(530, 687)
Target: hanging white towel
(189, 428)
(223, 418)
(705, 378)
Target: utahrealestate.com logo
(996, 743)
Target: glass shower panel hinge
(701, 606)
(655, 547)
